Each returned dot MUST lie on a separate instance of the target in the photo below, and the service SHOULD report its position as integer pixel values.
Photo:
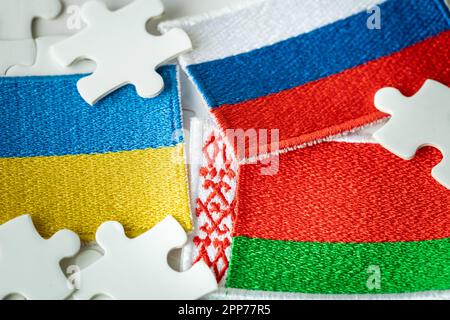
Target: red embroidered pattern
(215, 205)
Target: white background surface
(173, 9)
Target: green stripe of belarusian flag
(312, 267)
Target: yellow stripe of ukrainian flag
(79, 192)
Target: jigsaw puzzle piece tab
(16, 16)
(45, 64)
(16, 52)
(137, 53)
(403, 143)
(29, 264)
(417, 121)
(441, 172)
(139, 266)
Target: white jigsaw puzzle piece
(16, 52)
(16, 16)
(29, 264)
(137, 268)
(46, 65)
(417, 121)
(124, 51)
